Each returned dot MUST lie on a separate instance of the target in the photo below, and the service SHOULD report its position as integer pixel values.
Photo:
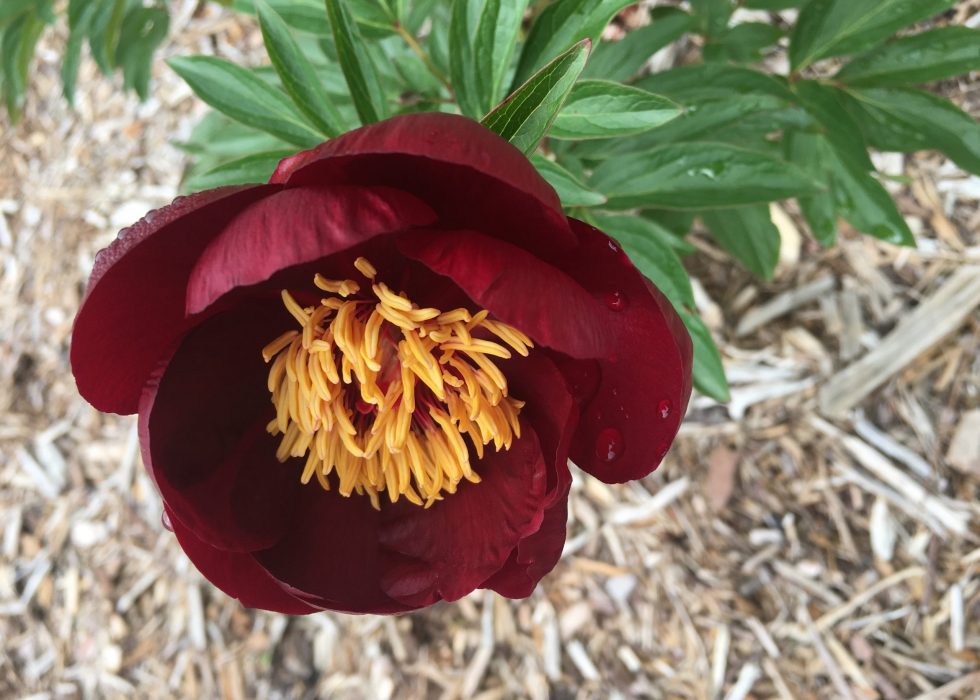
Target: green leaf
(712, 81)
(621, 60)
(255, 168)
(841, 130)
(360, 72)
(846, 27)
(104, 33)
(245, 97)
(866, 205)
(934, 122)
(482, 37)
(16, 51)
(297, 73)
(652, 253)
(933, 55)
(748, 234)
(743, 43)
(80, 14)
(12, 8)
(711, 16)
(671, 226)
(709, 373)
(524, 117)
(809, 152)
(771, 4)
(699, 120)
(142, 31)
(599, 108)
(571, 191)
(560, 25)
(698, 176)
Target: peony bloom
(359, 385)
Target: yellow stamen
(365, 268)
(382, 392)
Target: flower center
(381, 392)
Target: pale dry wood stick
(929, 323)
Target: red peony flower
(358, 385)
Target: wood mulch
(817, 537)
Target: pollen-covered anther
(384, 395)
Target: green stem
(426, 59)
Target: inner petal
(383, 397)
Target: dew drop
(616, 301)
(165, 521)
(613, 247)
(609, 444)
(150, 216)
(663, 408)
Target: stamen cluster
(381, 392)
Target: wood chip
(929, 323)
(964, 448)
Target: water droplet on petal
(616, 301)
(613, 247)
(150, 216)
(663, 408)
(609, 444)
(165, 521)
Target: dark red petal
(331, 556)
(517, 287)
(134, 306)
(472, 177)
(550, 409)
(536, 554)
(463, 539)
(238, 575)
(296, 226)
(202, 432)
(644, 386)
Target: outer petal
(643, 388)
(134, 306)
(297, 226)
(516, 287)
(553, 413)
(238, 575)
(536, 555)
(463, 539)
(202, 432)
(472, 177)
(331, 556)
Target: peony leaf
(560, 25)
(297, 73)
(916, 120)
(808, 151)
(245, 97)
(845, 27)
(571, 191)
(255, 168)
(709, 373)
(482, 36)
(602, 109)
(623, 59)
(937, 54)
(524, 117)
(748, 234)
(355, 62)
(698, 176)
